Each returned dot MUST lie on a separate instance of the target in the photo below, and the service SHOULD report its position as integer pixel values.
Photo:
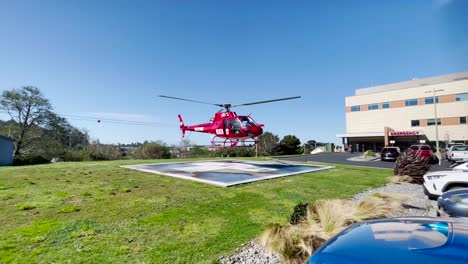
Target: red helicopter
(231, 129)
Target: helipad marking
(226, 173)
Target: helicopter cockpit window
(247, 121)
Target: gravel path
(419, 205)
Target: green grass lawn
(100, 213)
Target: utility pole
(438, 154)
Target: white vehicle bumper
(431, 190)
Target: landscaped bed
(99, 212)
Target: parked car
(453, 203)
(438, 182)
(425, 151)
(450, 144)
(389, 153)
(458, 153)
(449, 149)
(406, 240)
(461, 166)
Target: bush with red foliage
(412, 164)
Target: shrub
(154, 150)
(299, 213)
(74, 155)
(29, 160)
(369, 153)
(401, 179)
(101, 152)
(411, 164)
(199, 152)
(294, 243)
(234, 152)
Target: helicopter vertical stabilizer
(182, 126)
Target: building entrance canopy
(377, 140)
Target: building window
(414, 123)
(411, 102)
(461, 97)
(385, 105)
(431, 122)
(463, 120)
(430, 100)
(355, 108)
(373, 107)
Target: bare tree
(29, 109)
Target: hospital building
(404, 113)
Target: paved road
(341, 158)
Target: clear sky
(110, 59)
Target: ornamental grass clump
(295, 243)
(378, 206)
(401, 179)
(332, 216)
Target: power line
(112, 121)
(117, 121)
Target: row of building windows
(409, 102)
(432, 122)
(357, 108)
(461, 97)
(427, 100)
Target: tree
(29, 109)
(290, 144)
(312, 143)
(267, 143)
(184, 147)
(153, 150)
(65, 134)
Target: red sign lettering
(405, 133)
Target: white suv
(438, 182)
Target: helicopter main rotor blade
(188, 100)
(269, 101)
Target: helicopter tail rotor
(182, 125)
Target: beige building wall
(399, 116)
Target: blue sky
(110, 59)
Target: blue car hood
(398, 240)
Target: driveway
(341, 158)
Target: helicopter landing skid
(218, 142)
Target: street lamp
(438, 154)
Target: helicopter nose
(258, 131)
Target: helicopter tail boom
(182, 125)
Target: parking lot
(342, 158)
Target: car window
(460, 148)
(425, 148)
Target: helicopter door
(235, 126)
